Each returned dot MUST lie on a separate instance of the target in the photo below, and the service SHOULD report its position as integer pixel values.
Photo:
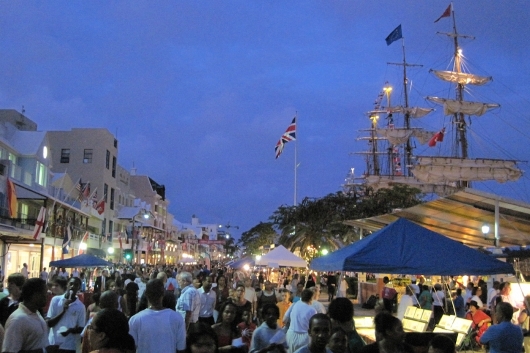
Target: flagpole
(295, 161)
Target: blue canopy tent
(404, 247)
(240, 263)
(83, 260)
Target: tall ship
(394, 135)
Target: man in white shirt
(44, 275)
(298, 316)
(157, 329)
(66, 318)
(208, 301)
(250, 295)
(261, 338)
(26, 330)
(189, 302)
(24, 270)
(492, 293)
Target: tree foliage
(260, 235)
(318, 223)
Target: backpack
(370, 303)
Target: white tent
(282, 257)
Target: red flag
(100, 207)
(86, 191)
(437, 137)
(446, 13)
(12, 201)
(39, 223)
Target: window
(87, 155)
(111, 228)
(107, 160)
(115, 143)
(41, 174)
(65, 155)
(103, 228)
(24, 210)
(105, 191)
(114, 167)
(111, 198)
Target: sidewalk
(358, 310)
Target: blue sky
(199, 92)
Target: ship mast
(458, 117)
(408, 146)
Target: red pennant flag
(437, 137)
(446, 13)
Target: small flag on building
(39, 223)
(12, 201)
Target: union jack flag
(288, 135)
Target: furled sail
(447, 169)
(397, 136)
(414, 112)
(452, 106)
(387, 181)
(461, 78)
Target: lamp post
(143, 212)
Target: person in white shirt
(189, 302)
(157, 329)
(261, 337)
(407, 299)
(208, 301)
(24, 270)
(26, 330)
(492, 293)
(319, 307)
(438, 296)
(298, 316)
(44, 275)
(250, 295)
(66, 318)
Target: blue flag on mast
(394, 35)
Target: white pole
(295, 162)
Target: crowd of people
(487, 309)
(197, 310)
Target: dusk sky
(199, 92)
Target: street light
(110, 250)
(145, 214)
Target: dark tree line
(318, 223)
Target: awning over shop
(461, 216)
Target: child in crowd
(246, 328)
(283, 305)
